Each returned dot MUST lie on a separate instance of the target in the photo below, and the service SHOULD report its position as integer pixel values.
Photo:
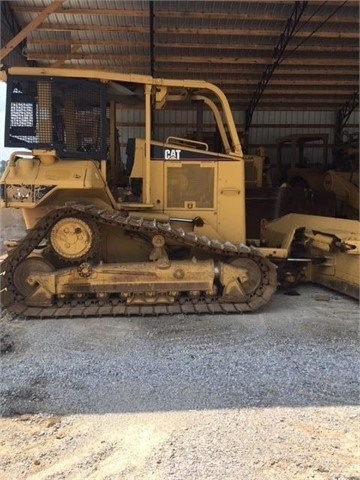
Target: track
(14, 302)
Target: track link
(13, 301)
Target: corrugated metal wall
(265, 129)
(130, 124)
(166, 123)
(268, 126)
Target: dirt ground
(145, 446)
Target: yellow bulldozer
(298, 169)
(163, 232)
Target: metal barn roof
(269, 55)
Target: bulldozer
(341, 177)
(162, 233)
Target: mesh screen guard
(63, 114)
(190, 184)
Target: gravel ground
(12, 226)
(271, 395)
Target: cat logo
(172, 154)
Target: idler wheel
(254, 273)
(73, 239)
(27, 267)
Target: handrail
(19, 153)
(185, 141)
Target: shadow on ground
(300, 351)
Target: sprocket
(74, 239)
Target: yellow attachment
(333, 245)
(71, 238)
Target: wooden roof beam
(120, 12)
(89, 42)
(331, 61)
(195, 31)
(301, 101)
(288, 91)
(14, 42)
(242, 71)
(215, 76)
(255, 32)
(113, 12)
(228, 83)
(180, 45)
(353, 62)
(255, 47)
